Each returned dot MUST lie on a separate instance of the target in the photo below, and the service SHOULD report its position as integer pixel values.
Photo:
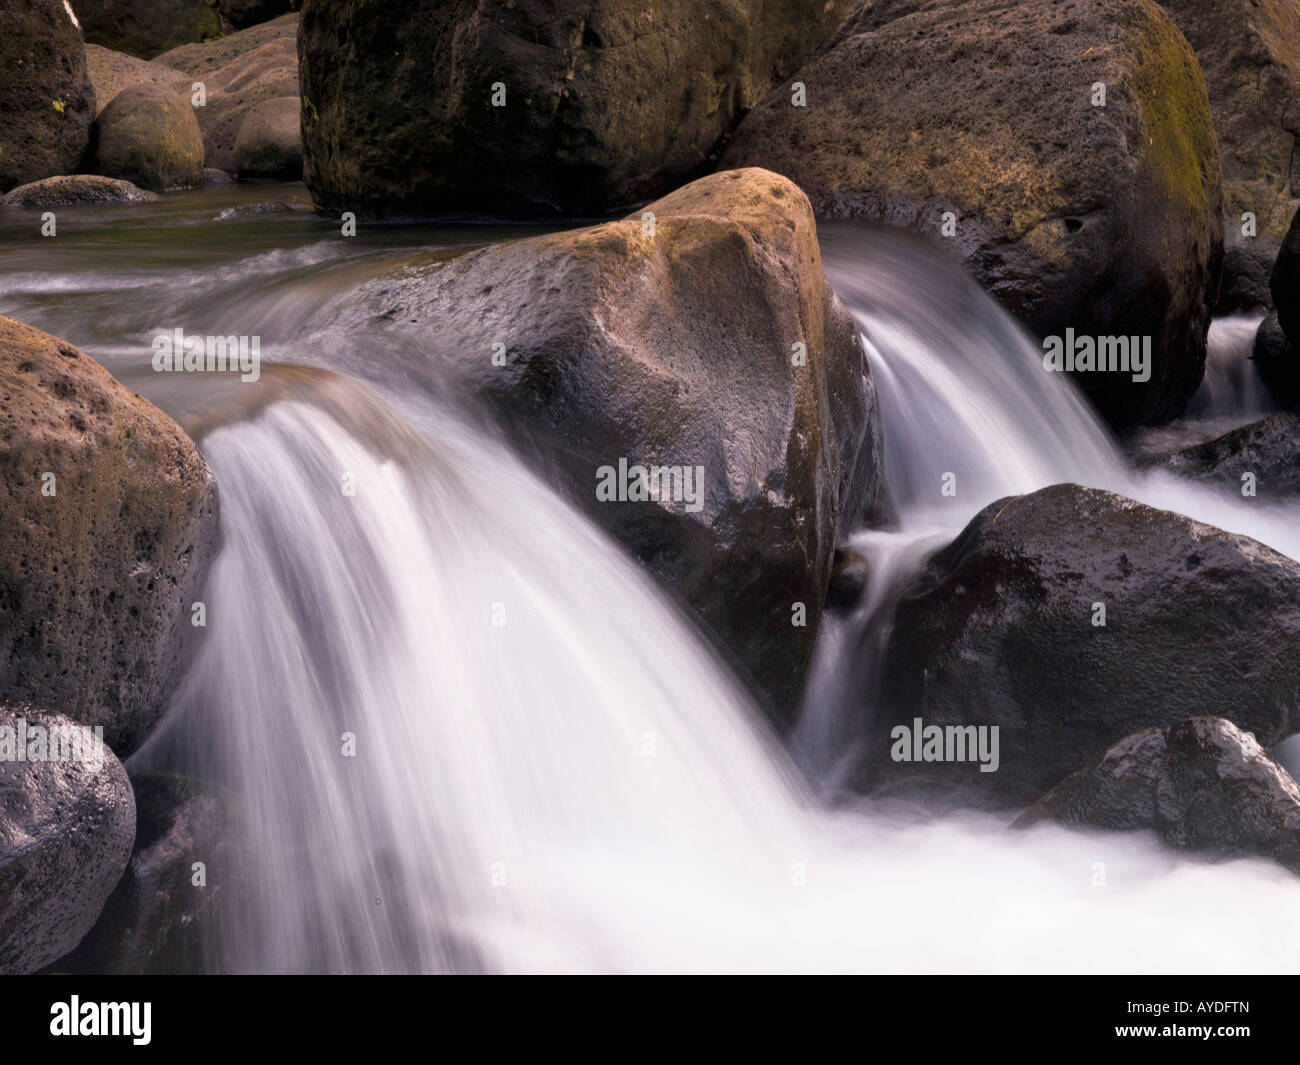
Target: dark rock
(676, 348)
(253, 210)
(1269, 449)
(999, 630)
(849, 574)
(144, 28)
(212, 176)
(97, 579)
(608, 102)
(1201, 785)
(1285, 283)
(241, 14)
(1249, 51)
(1278, 362)
(1107, 220)
(158, 919)
(66, 827)
(49, 102)
(148, 135)
(269, 143)
(74, 190)
(238, 73)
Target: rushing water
(465, 732)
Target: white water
(584, 788)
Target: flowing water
(465, 732)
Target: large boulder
(1004, 628)
(1268, 449)
(238, 73)
(1284, 282)
(1249, 51)
(73, 190)
(144, 28)
(48, 98)
(148, 135)
(1201, 785)
(161, 912)
(107, 521)
(111, 72)
(1278, 362)
(672, 342)
(607, 102)
(269, 142)
(67, 819)
(1102, 219)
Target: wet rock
(1249, 51)
(1285, 283)
(238, 73)
(107, 522)
(1269, 450)
(145, 28)
(1278, 362)
(711, 340)
(66, 827)
(1201, 785)
(158, 918)
(217, 177)
(253, 210)
(849, 573)
(148, 135)
(607, 102)
(48, 98)
(1002, 628)
(73, 190)
(974, 122)
(269, 143)
(111, 72)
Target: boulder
(606, 103)
(241, 14)
(148, 135)
(157, 918)
(1249, 51)
(49, 102)
(73, 190)
(111, 72)
(107, 521)
(1269, 449)
(701, 334)
(1284, 283)
(67, 821)
(269, 143)
(974, 121)
(1278, 362)
(238, 73)
(145, 28)
(1004, 628)
(1200, 785)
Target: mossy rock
(1104, 219)
(148, 135)
(145, 28)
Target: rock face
(144, 28)
(1104, 219)
(75, 190)
(1278, 362)
(606, 102)
(1000, 629)
(244, 13)
(269, 143)
(1201, 785)
(1269, 449)
(677, 347)
(66, 828)
(111, 72)
(239, 73)
(48, 99)
(107, 521)
(149, 135)
(156, 918)
(1249, 51)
